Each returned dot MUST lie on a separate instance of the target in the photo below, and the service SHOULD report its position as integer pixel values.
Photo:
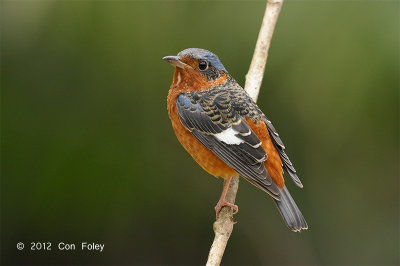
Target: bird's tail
(290, 212)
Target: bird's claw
(224, 203)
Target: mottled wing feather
(247, 108)
(194, 117)
(226, 134)
(287, 164)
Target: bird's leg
(222, 202)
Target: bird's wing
(287, 164)
(218, 127)
(245, 106)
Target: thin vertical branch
(257, 67)
(223, 226)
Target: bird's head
(197, 69)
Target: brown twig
(223, 226)
(256, 71)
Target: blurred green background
(88, 152)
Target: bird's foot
(223, 203)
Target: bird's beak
(176, 61)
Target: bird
(226, 133)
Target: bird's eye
(203, 65)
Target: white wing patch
(228, 136)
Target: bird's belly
(201, 154)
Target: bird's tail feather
(290, 212)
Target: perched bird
(226, 133)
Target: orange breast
(203, 156)
(273, 164)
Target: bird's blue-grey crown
(199, 53)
